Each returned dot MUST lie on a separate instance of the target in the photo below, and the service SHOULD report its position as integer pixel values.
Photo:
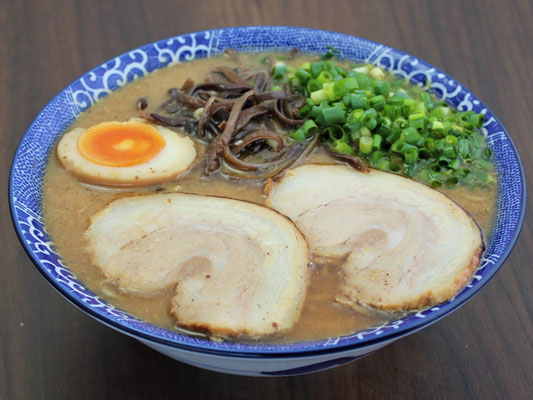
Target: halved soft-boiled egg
(132, 153)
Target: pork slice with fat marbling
(237, 268)
(402, 245)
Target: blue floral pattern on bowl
(36, 145)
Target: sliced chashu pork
(403, 245)
(237, 268)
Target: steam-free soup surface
(68, 205)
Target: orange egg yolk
(120, 144)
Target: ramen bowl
(258, 359)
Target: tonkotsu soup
(271, 197)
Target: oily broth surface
(68, 205)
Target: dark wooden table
(51, 350)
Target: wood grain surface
(51, 350)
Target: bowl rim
(269, 352)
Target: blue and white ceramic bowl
(249, 359)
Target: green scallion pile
(391, 124)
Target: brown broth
(68, 205)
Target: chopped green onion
(395, 101)
(424, 154)
(370, 121)
(384, 130)
(435, 182)
(328, 65)
(452, 181)
(443, 161)
(463, 172)
(304, 111)
(429, 144)
(365, 145)
(426, 98)
(437, 127)
(411, 156)
(451, 140)
(298, 134)
(353, 126)
(378, 102)
(279, 71)
(392, 111)
(333, 115)
(375, 157)
(435, 167)
(395, 167)
(393, 136)
(342, 147)
(376, 141)
(396, 127)
(319, 96)
(345, 86)
(377, 73)
(313, 85)
(358, 101)
(401, 147)
(381, 87)
(401, 94)
(356, 115)
(454, 164)
(310, 128)
(383, 165)
(363, 80)
(364, 131)
(477, 120)
(316, 68)
(324, 77)
(332, 52)
(416, 120)
(399, 124)
(449, 152)
(410, 135)
(303, 75)
(329, 91)
(336, 132)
